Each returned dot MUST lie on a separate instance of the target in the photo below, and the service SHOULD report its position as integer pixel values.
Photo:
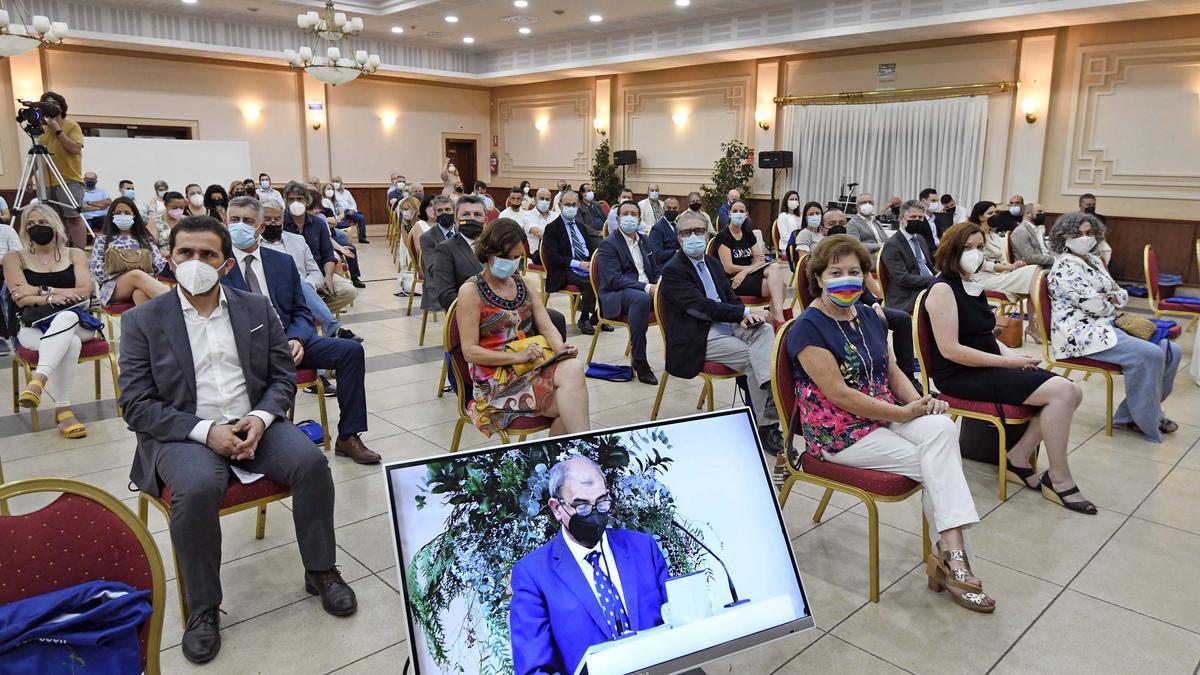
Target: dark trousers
(900, 324)
(198, 478)
(346, 356)
(636, 304)
(358, 218)
(587, 299)
(559, 321)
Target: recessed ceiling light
(520, 3)
(469, 40)
(524, 30)
(189, 2)
(450, 18)
(682, 3)
(397, 29)
(595, 18)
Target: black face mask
(470, 228)
(695, 206)
(587, 531)
(446, 221)
(670, 215)
(272, 232)
(41, 234)
(1089, 209)
(918, 226)
(1039, 219)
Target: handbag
(120, 260)
(1008, 331)
(523, 344)
(1137, 326)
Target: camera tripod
(38, 160)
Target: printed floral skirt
(499, 403)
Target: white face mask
(543, 205)
(196, 200)
(793, 204)
(935, 207)
(1015, 210)
(1081, 245)
(329, 193)
(866, 209)
(266, 184)
(590, 195)
(196, 276)
(337, 186)
(296, 209)
(971, 260)
(653, 195)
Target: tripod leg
(23, 182)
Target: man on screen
(587, 585)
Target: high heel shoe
(954, 581)
(31, 397)
(1057, 497)
(1022, 474)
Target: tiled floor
(1111, 593)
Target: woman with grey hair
(1084, 300)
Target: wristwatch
(58, 132)
(43, 290)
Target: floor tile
(764, 658)
(389, 660)
(369, 542)
(1176, 502)
(831, 655)
(1114, 481)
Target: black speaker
(775, 159)
(625, 157)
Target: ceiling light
(469, 40)
(450, 18)
(524, 30)
(26, 31)
(329, 56)
(189, 2)
(682, 3)
(520, 3)
(397, 29)
(595, 18)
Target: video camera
(33, 114)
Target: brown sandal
(954, 581)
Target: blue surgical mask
(123, 221)
(569, 212)
(503, 268)
(813, 222)
(737, 218)
(243, 235)
(694, 245)
(128, 194)
(629, 224)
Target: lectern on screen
(652, 548)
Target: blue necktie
(610, 599)
(578, 248)
(710, 289)
(916, 246)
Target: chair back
(409, 244)
(1150, 266)
(1008, 251)
(881, 275)
(657, 301)
(594, 280)
(452, 346)
(923, 337)
(801, 282)
(85, 534)
(775, 236)
(1041, 313)
(604, 208)
(783, 380)
(492, 214)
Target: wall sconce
(541, 125)
(761, 118)
(680, 118)
(251, 112)
(388, 120)
(1029, 107)
(599, 127)
(316, 125)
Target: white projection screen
(145, 160)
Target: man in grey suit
(443, 229)
(1027, 242)
(906, 260)
(206, 382)
(864, 226)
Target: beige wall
(562, 148)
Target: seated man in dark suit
(906, 260)
(662, 236)
(705, 321)
(206, 382)
(273, 274)
(587, 585)
(626, 274)
(590, 212)
(443, 229)
(567, 254)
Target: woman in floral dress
(858, 409)
(125, 239)
(496, 308)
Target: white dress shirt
(580, 554)
(510, 212)
(9, 239)
(635, 252)
(534, 218)
(648, 216)
(295, 245)
(271, 194)
(220, 383)
(254, 269)
(345, 200)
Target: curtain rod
(895, 95)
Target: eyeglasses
(585, 510)
(835, 222)
(692, 232)
(272, 220)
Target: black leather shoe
(607, 328)
(336, 595)
(644, 374)
(772, 438)
(347, 334)
(585, 326)
(330, 388)
(202, 639)
(358, 282)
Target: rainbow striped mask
(844, 291)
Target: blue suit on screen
(554, 616)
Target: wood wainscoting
(1174, 242)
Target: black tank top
(64, 278)
(975, 325)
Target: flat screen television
(651, 548)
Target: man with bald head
(535, 220)
(1007, 220)
(723, 213)
(587, 585)
(864, 225)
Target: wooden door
(462, 153)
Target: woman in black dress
(741, 255)
(969, 363)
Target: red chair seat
(534, 267)
(1085, 361)
(239, 493)
(525, 423)
(876, 482)
(1174, 332)
(624, 318)
(714, 368)
(752, 299)
(118, 308)
(572, 288)
(996, 295)
(306, 375)
(1178, 306)
(97, 347)
(1011, 412)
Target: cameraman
(64, 139)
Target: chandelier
(18, 36)
(325, 57)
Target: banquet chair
(710, 372)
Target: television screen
(651, 548)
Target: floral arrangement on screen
(499, 514)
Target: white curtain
(887, 148)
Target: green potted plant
(732, 171)
(604, 174)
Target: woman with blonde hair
(46, 281)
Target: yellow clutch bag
(523, 344)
